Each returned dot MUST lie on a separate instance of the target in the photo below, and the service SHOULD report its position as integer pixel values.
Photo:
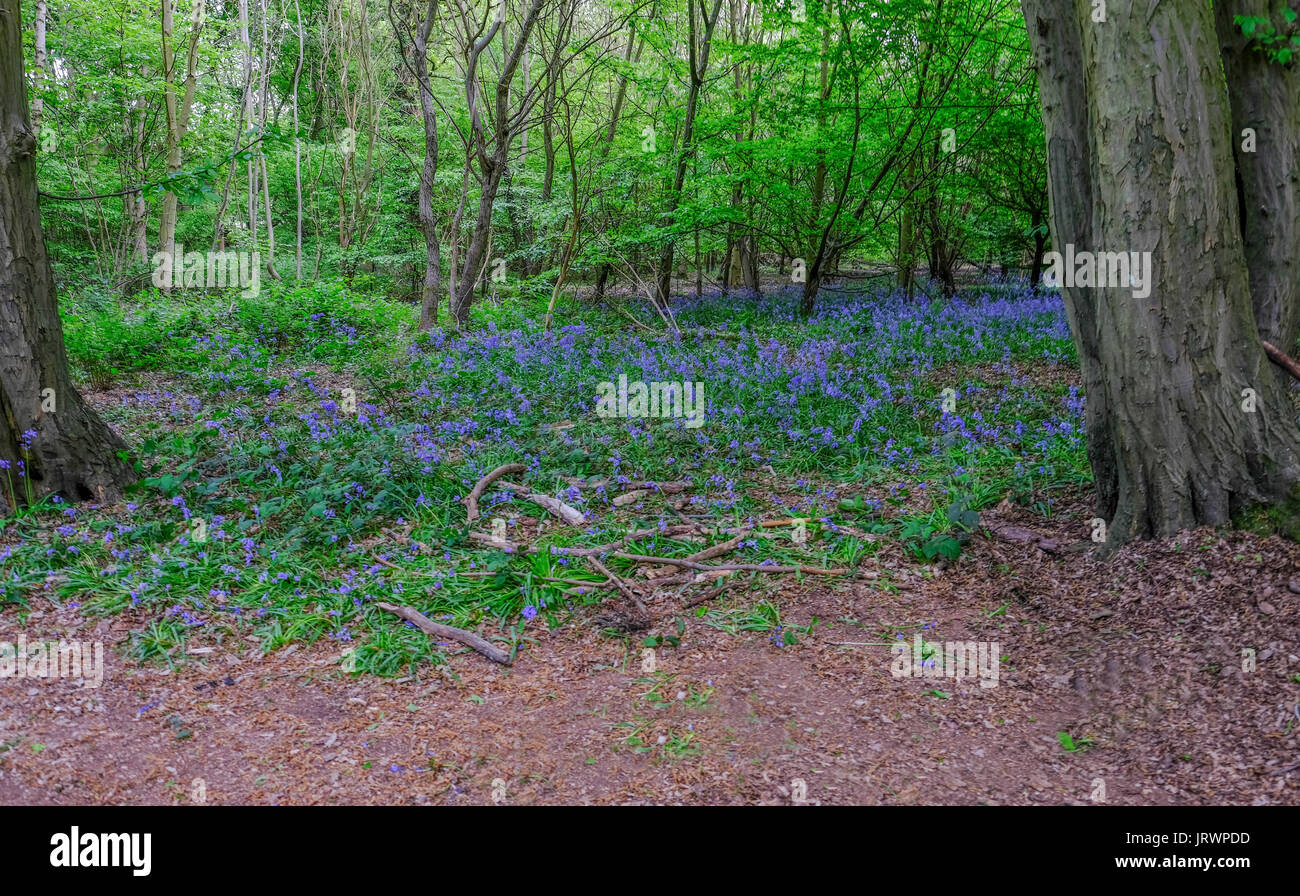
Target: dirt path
(1141, 656)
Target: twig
(717, 550)
(753, 567)
(438, 630)
(414, 572)
(708, 595)
(472, 501)
(619, 584)
(582, 582)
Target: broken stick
(619, 584)
(1281, 359)
(438, 630)
(570, 515)
(754, 567)
(708, 595)
(472, 501)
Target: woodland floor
(1123, 682)
(1140, 655)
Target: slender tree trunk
(136, 208)
(263, 108)
(1040, 246)
(297, 141)
(476, 252)
(73, 453)
(429, 171)
(178, 109)
(38, 54)
(700, 47)
(491, 167)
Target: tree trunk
(38, 53)
(1040, 246)
(475, 255)
(428, 173)
(699, 49)
(73, 454)
(491, 168)
(297, 141)
(1265, 97)
(1170, 435)
(178, 111)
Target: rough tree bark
(1137, 120)
(73, 454)
(1265, 97)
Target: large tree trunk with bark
(1139, 149)
(73, 453)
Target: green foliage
(1265, 37)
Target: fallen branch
(752, 567)
(619, 584)
(708, 595)
(414, 572)
(1281, 359)
(1007, 532)
(688, 578)
(438, 630)
(581, 582)
(717, 550)
(472, 501)
(570, 515)
(499, 543)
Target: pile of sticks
(658, 571)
